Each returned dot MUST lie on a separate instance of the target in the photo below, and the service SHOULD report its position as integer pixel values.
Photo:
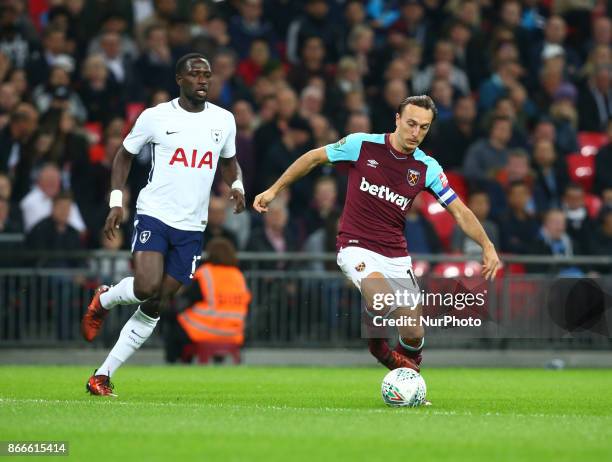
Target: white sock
(120, 294)
(135, 332)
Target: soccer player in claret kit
(189, 137)
(386, 172)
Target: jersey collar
(398, 155)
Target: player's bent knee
(146, 289)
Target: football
(403, 387)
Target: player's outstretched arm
(119, 173)
(470, 225)
(232, 175)
(294, 172)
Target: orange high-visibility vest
(220, 316)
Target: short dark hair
(63, 196)
(423, 101)
(182, 61)
(220, 251)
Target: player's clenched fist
(115, 216)
(262, 200)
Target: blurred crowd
(520, 86)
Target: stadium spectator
(323, 240)
(55, 233)
(7, 223)
(497, 85)
(118, 61)
(315, 22)
(248, 26)
(216, 222)
(579, 226)
(56, 92)
(564, 116)
(155, 64)
(357, 122)
(322, 131)
(553, 240)
(420, 234)
(256, 63)
(518, 227)
(274, 236)
(312, 64)
(551, 176)
(245, 129)
(555, 33)
(602, 240)
(9, 98)
(384, 109)
(442, 94)
(311, 102)
(295, 140)
(595, 100)
(213, 309)
(99, 92)
(516, 169)
(38, 204)
(412, 23)
(17, 148)
(40, 62)
(603, 164)
(479, 203)
(323, 205)
(228, 87)
(15, 40)
(487, 155)
(451, 138)
(443, 53)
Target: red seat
(206, 350)
(590, 142)
(458, 183)
(593, 204)
(441, 220)
(581, 169)
(458, 269)
(132, 111)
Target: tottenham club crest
(413, 177)
(144, 236)
(216, 135)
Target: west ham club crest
(413, 177)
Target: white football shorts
(356, 263)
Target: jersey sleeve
(140, 134)
(346, 149)
(437, 184)
(229, 148)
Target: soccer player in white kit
(189, 137)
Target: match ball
(403, 387)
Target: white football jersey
(185, 150)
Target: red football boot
(100, 385)
(94, 317)
(389, 358)
(416, 356)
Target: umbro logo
(171, 133)
(372, 163)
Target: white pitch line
(382, 410)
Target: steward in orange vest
(219, 297)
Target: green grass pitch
(288, 414)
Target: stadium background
(522, 88)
